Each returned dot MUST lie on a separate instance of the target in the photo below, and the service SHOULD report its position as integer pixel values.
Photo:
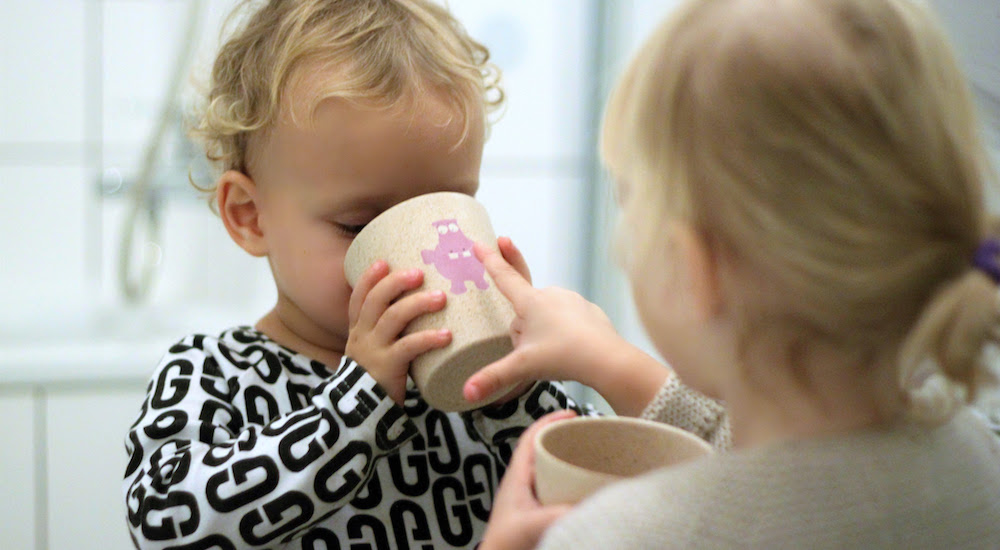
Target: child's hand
(559, 335)
(513, 256)
(378, 316)
(518, 520)
(552, 332)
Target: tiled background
(84, 84)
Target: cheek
(312, 257)
(322, 264)
(648, 307)
(650, 313)
(657, 304)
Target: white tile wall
(17, 469)
(43, 53)
(44, 230)
(87, 459)
(542, 216)
(536, 146)
(140, 42)
(45, 212)
(535, 149)
(199, 264)
(541, 47)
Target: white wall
(93, 75)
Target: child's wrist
(629, 379)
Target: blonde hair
(375, 52)
(829, 153)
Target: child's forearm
(629, 380)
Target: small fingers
(407, 348)
(405, 310)
(384, 292)
(514, 257)
(510, 282)
(363, 286)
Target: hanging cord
(136, 275)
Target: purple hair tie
(987, 258)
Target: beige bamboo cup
(435, 233)
(576, 457)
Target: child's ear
(236, 197)
(701, 276)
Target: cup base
(441, 386)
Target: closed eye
(348, 230)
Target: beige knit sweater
(907, 487)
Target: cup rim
(540, 448)
(354, 249)
(423, 196)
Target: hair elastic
(987, 258)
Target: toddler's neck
(278, 330)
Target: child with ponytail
(802, 186)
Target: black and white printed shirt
(244, 443)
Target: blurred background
(108, 255)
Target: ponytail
(942, 359)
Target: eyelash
(348, 230)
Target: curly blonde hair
(376, 52)
(830, 153)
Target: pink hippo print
(453, 257)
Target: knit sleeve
(679, 405)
